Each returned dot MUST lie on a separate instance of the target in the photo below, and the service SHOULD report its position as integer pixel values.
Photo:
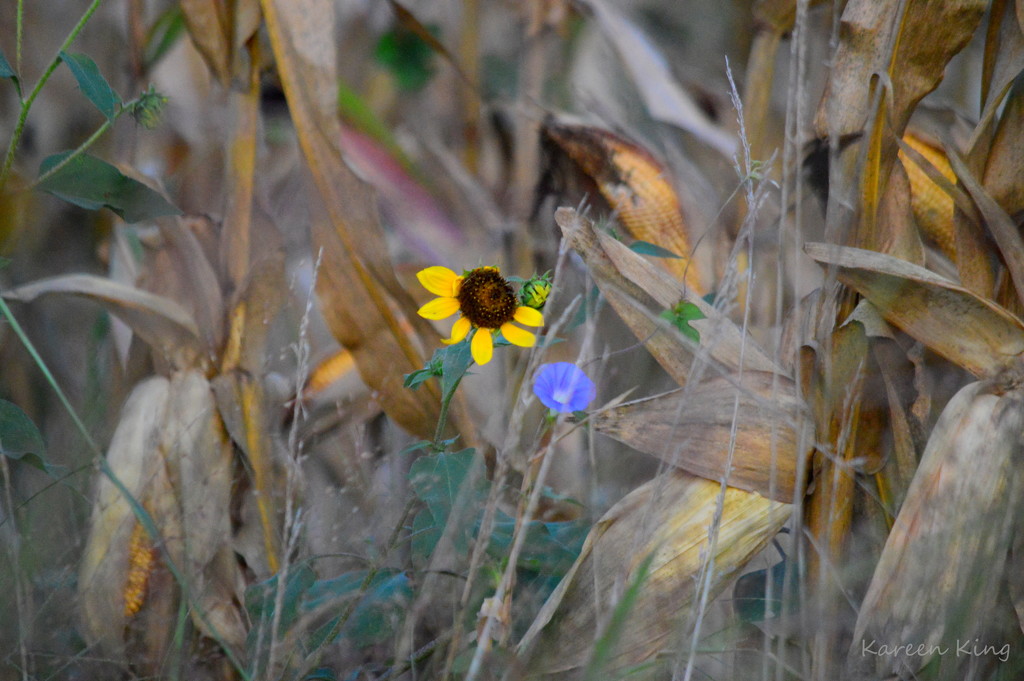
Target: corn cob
(932, 207)
(638, 188)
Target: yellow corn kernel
(141, 559)
(932, 207)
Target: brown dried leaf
(219, 29)
(633, 286)
(363, 303)
(199, 459)
(968, 330)
(957, 517)
(668, 517)
(1004, 169)
(666, 101)
(166, 326)
(259, 299)
(691, 428)
(241, 402)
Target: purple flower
(564, 387)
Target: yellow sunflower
(487, 303)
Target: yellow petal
(459, 331)
(439, 308)
(517, 336)
(528, 316)
(482, 346)
(440, 281)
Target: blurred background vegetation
(785, 244)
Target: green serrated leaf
(88, 182)
(92, 83)
(21, 440)
(647, 248)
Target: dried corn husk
(692, 428)
(170, 452)
(638, 290)
(957, 520)
(639, 190)
(670, 518)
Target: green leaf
(441, 481)
(4, 262)
(20, 439)
(260, 599)
(7, 72)
(647, 248)
(750, 595)
(407, 56)
(92, 83)
(88, 182)
(163, 35)
(680, 317)
(455, 361)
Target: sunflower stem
(442, 418)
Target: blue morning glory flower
(564, 387)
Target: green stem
(19, 128)
(80, 149)
(442, 418)
(17, 38)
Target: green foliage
(604, 647)
(163, 35)
(92, 83)
(407, 57)
(439, 481)
(647, 248)
(680, 317)
(21, 440)
(7, 72)
(750, 595)
(88, 182)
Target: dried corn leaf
(1004, 169)
(164, 324)
(909, 43)
(363, 303)
(913, 48)
(968, 330)
(668, 518)
(639, 190)
(259, 299)
(666, 101)
(242, 404)
(199, 460)
(691, 428)
(940, 573)
(183, 272)
(632, 285)
(219, 29)
(103, 581)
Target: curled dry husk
(171, 453)
(692, 428)
(670, 519)
(640, 191)
(938, 580)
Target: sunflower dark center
(486, 299)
